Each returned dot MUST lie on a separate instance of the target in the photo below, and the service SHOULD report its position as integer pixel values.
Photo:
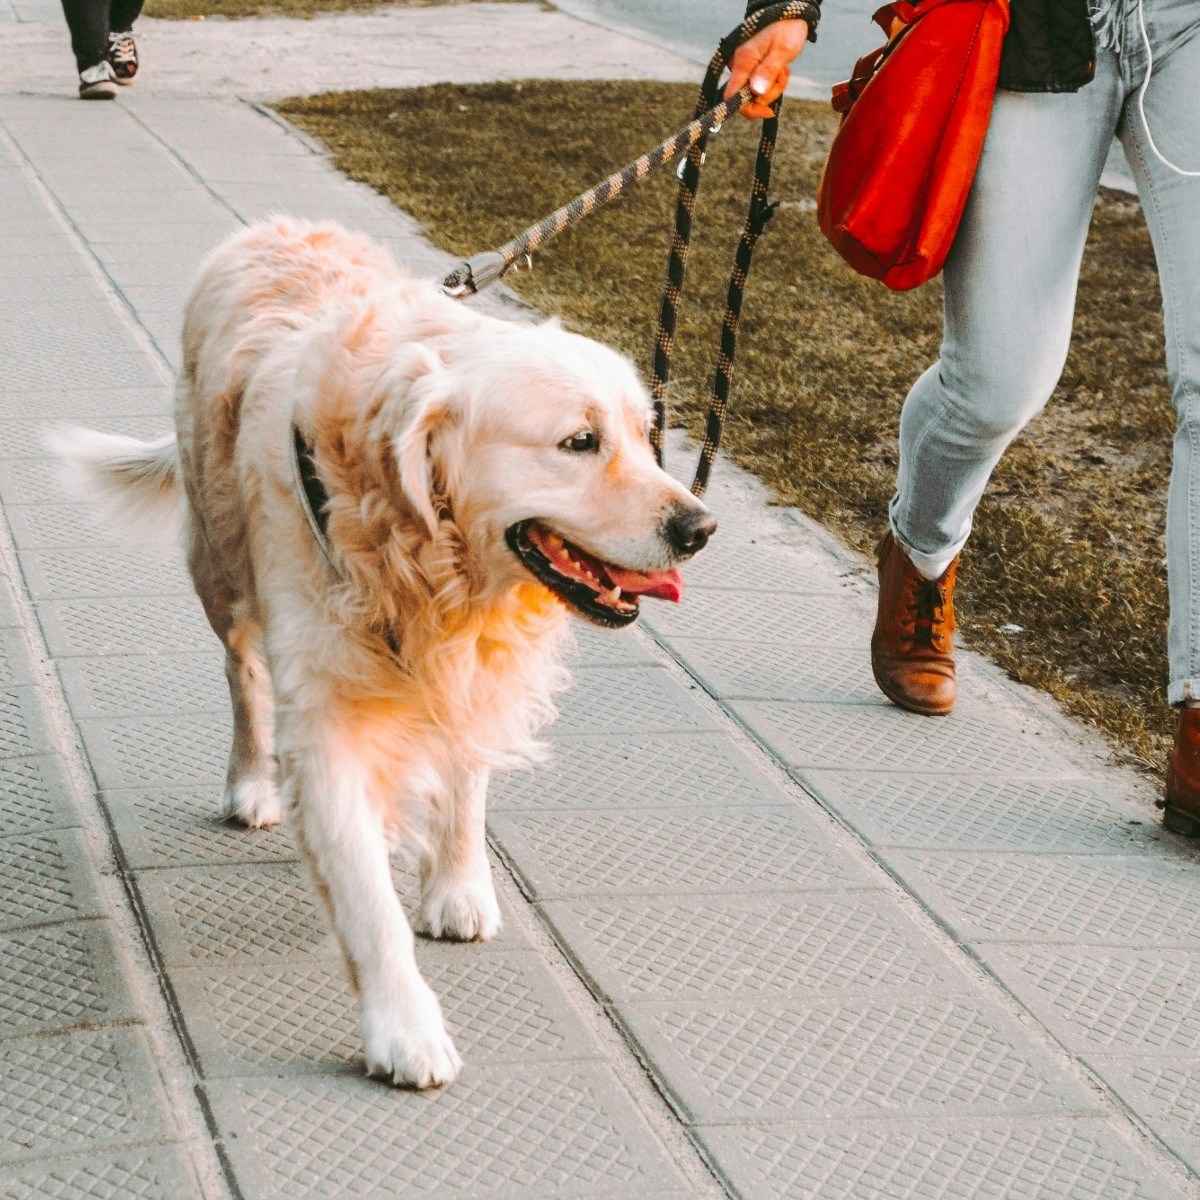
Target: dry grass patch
(191, 10)
(1068, 541)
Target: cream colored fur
(373, 696)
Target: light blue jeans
(1010, 286)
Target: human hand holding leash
(765, 62)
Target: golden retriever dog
(390, 504)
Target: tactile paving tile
(172, 752)
(39, 526)
(34, 795)
(84, 1090)
(149, 1174)
(1130, 901)
(685, 769)
(754, 556)
(133, 625)
(84, 574)
(26, 481)
(562, 1130)
(44, 877)
(1108, 1001)
(30, 480)
(23, 437)
(673, 850)
(752, 616)
(612, 647)
(1165, 1094)
(59, 976)
(750, 671)
(837, 737)
(14, 652)
(851, 1058)
(91, 324)
(119, 686)
(23, 729)
(71, 291)
(964, 1160)
(627, 700)
(181, 828)
(759, 948)
(41, 365)
(256, 914)
(303, 1017)
(989, 813)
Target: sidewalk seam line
(610, 1014)
(108, 285)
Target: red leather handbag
(916, 113)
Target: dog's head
(537, 441)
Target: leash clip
(761, 211)
(475, 274)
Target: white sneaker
(98, 82)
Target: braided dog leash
(485, 268)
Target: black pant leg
(124, 13)
(88, 23)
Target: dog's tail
(134, 485)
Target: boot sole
(1177, 821)
(902, 701)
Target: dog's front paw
(463, 910)
(252, 802)
(407, 1044)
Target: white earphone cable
(1142, 99)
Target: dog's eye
(583, 442)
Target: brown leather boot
(1182, 813)
(912, 651)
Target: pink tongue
(661, 585)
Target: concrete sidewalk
(766, 936)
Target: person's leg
(124, 13)
(1170, 194)
(88, 22)
(1172, 204)
(1010, 285)
(1010, 297)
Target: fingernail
(759, 85)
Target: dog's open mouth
(603, 592)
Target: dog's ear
(414, 447)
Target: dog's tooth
(614, 596)
(554, 541)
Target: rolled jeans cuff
(931, 566)
(1179, 693)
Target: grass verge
(194, 10)
(1068, 541)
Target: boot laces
(927, 611)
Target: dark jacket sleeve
(754, 6)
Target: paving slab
(1001, 1160)
(765, 935)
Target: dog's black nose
(689, 529)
